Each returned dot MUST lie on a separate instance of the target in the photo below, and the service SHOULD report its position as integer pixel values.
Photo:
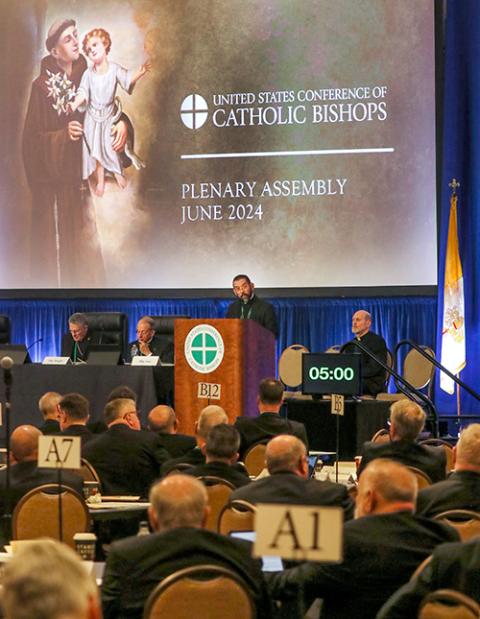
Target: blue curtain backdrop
(316, 323)
(461, 160)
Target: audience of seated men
(286, 459)
(221, 453)
(453, 566)
(382, 548)
(48, 407)
(162, 420)
(73, 415)
(209, 417)
(461, 489)
(269, 423)
(47, 580)
(24, 472)
(407, 420)
(126, 458)
(177, 514)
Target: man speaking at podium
(248, 305)
(373, 375)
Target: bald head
(24, 443)
(162, 419)
(386, 486)
(286, 453)
(210, 416)
(361, 323)
(178, 501)
(48, 404)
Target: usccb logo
(204, 348)
(194, 111)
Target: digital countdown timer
(327, 373)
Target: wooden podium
(248, 357)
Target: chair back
(448, 604)
(437, 442)
(290, 365)
(180, 467)
(423, 479)
(37, 514)
(110, 326)
(417, 370)
(203, 592)
(237, 516)
(255, 458)
(164, 327)
(5, 329)
(87, 472)
(465, 521)
(219, 491)
(419, 569)
(335, 349)
(381, 436)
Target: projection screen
(293, 140)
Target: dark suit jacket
(79, 430)
(380, 554)
(177, 444)
(256, 309)
(159, 348)
(127, 461)
(266, 426)
(135, 565)
(82, 347)
(50, 426)
(193, 457)
(291, 489)
(373, 375)
(430, 460)
(220, 469)
(461, 490)
(453, 566)
(25, 476)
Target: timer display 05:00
(324, 373)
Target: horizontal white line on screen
(290, 153)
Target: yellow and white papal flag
(453, 329)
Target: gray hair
(210, 416)
(46, 580)
(179, 501)
(392, 480)
(468, 446)
(408, 418)
(78, 319)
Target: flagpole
(458, 396)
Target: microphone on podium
(6, 363)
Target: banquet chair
(254, 458)
(418, 371)
(87, 472)
(290, 369)
(448, 604)
(465, 521)
(381, 436)
(437, 442)
(423, 479)
(238, 515)
(203, 592)
(37, 514)
(219, 491)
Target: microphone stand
(6, 364)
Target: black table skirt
(360, 422)
(31, 381)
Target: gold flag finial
(454, 184)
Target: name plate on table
(152, 360)
(56, 361)
(299, 532)
(59, 452)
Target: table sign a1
(299, 532)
